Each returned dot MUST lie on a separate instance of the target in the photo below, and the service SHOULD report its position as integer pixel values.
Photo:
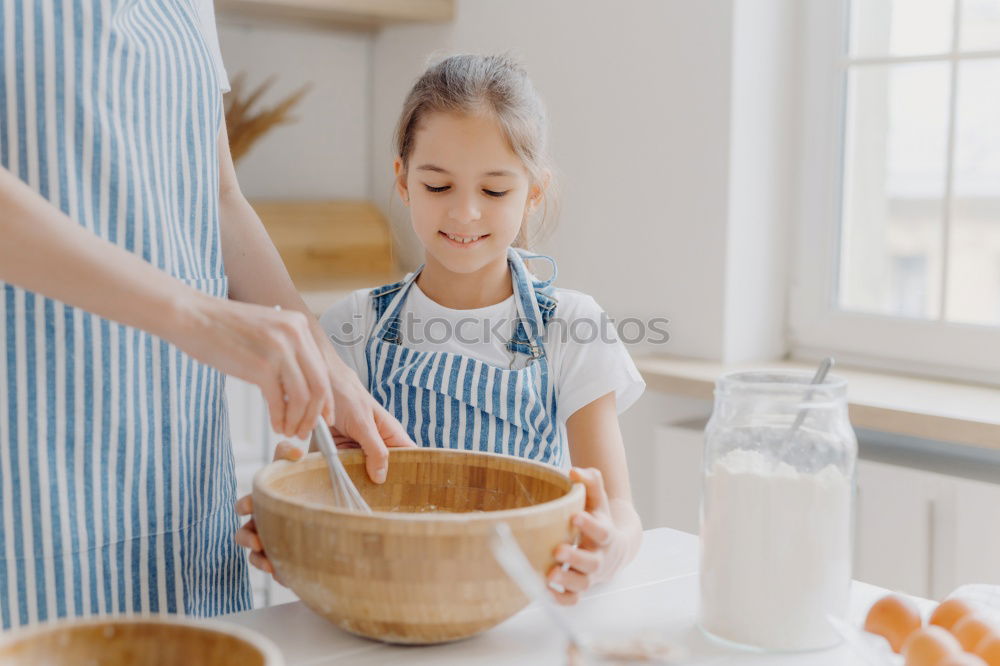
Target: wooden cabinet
(677, 490)
(972, 554)
(925, 533)
(898, 515)
(332, 241)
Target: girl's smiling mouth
(462, 241)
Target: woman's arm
(257, 275)
(46, 252)
(610, 527)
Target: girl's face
(467, 191)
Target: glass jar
(777, 511)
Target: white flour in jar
(775, 552)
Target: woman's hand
(273, 349)
(247, 536)
(603, 547)
(359, 420)
(257, 275)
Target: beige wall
(672, 205)
(325, 153)
(638, 95)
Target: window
(900, 209)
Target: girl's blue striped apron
(449, 400)
(116, 474)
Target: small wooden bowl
(419, 569)
(159, 640)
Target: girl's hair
(495, 84)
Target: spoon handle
(512, 559)
(818, 378)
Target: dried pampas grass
(246, 127)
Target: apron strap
(525, 256)
(388, 301)
(534, 299)
(535, 304)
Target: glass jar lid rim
(778, 381)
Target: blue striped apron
(448, 400)
(116, 474)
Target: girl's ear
(536, 193)
(401, 189)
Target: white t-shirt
(585, 364)
(206, 20)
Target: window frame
(817, 326)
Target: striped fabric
(447, 400)
(116, 474)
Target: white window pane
(901, 27)
(974, 252)
(980, 25)
(894, 182)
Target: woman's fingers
(316, 377)
(275, 350)
(376, 454)
(361, 420)
(285, 450)
(274, 396)
(341, 439)
(296, 395)
(298, 365)
(390, 430)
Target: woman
(124, 230)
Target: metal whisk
(345, 493)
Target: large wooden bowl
(419, 569)
(137, 641)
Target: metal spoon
(512, 559)
(818, 378)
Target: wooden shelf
(328, 241)
(363, 14)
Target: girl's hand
(247, 536)
(272, 349)
(603, 546)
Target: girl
(473, 351)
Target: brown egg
(971, 629)
(989, 649)
(930, 646)
(894, 618)
(963, 659)
(951, 611)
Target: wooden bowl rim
(274, 469)
(272, 655)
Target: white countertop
(657, 593)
